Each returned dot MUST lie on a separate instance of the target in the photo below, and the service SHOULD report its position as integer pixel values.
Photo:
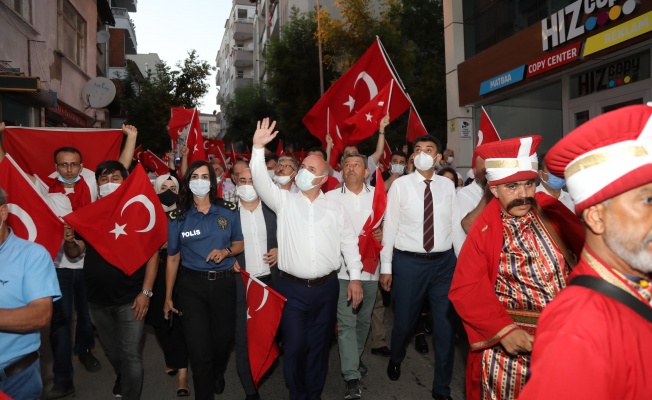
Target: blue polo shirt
(196, 234)
(26, 274)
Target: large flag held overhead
(30, 218)
(338, 141)
(180, 120)
(369, 246)
(415, 126)
(130, 219)
(367, 120)
(264, 309)
(353, 90)
(33, 148)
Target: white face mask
(449, 160)
(398, 169)
(282, 180)
(423, 161)
(270, 172)
(304, 179)
(218, 179)
(108, 188)
(246, 193)
(200, 187)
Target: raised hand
(383, 123)
(329, 141)
(264, 133)
(129, 130)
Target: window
(71, 33)
(21, 7)
(241, 13)
(240, 74)
(204, 127)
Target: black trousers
(208, 326)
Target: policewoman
(204, 235)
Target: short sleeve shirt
(26, 274)
(196, 234)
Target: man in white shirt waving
(417, 260)
(312, 232)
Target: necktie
(428, 220)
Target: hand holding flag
(369, 246)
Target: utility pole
(321, 63)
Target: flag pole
(391, 65)
(328, 120)
(389, 99)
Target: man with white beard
(591, 340)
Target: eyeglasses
(285, 166)
(66, 165)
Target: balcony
(242, 82)
(243, 58)
(122, 21)
(129, 5)
(275, 28)
(243, 29)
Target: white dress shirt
(468, 199)
(358, 207)
(564, 197)
(403, 227)
(60, 205)
(311, 235)
(254, 231)
(293, 188)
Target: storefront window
(537, 112)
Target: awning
(39, 98)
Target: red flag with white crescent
(130, 219)
(369, 246)
(487, 131)
(154, 164)
(355, 88)
(30, 218)
(264, 309)
(415, 126)
(338, 141)
(33, 148)
(180, 120)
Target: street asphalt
(415, 382)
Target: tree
(248, 105)
(147, 100)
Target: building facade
(542, 66)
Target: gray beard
(640, 260)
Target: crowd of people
(552, 288)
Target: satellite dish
(98, 92)
(103, 36)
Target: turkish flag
(33, 148)
(179, 125)
(195, 141)
(487, 132)
(369, 246)
(367, 120)
(264, 309)
(279, 148)
(387, 155)
(215, 148)
(338, 141)
(125, 227)
(3, 396)
(154, 164)
(415, 126)
(138, 153)
(353, 90)
(30, 218)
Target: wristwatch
(148, 293)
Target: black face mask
(168, 198)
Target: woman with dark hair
(449, 173)
(204, 235)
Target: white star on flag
(368, 115)
(350, 103)
(118, 230)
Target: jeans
(73, 292)
(123, 338)
(25, 385)
(353, 327)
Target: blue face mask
(555, 182)
(69, 181)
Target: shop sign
(621, 33)
(552, 61)
(618, 73)
(502, 80)
(566, 24)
